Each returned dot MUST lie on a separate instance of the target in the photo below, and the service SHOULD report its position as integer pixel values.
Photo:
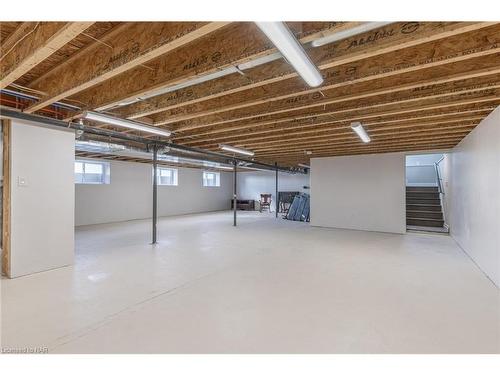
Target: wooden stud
(6, 130)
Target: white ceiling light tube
(304, 165)
(292, 51)
(236, 150)
(360, 131)
(111, 120)
(335, 37)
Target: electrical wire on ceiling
(20, 40)
(27, 89)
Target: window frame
(175, 176)
(105, 175)
(217, 179)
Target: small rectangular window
(211, 179)
(92, 172)
(167, 176)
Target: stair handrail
(440, 188)
(438, 175)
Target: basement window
(167, 176)
(92, 172)
(211, 179)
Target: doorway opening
(425, 203)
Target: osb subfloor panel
(267, 286)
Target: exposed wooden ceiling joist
(452, 83)
(129, 46)
(454, 139)
(279, 128)
(414, 85)
(235, 44)
(335, 133)
(34, 46)
(293, 160)
(381, 68)
(360, 111)
(377, 139)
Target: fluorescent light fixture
(292, 51)
(335, 37)
(236, 150)
(360, 131)
(111, 120)
(304, 165)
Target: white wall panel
(365, 192)
(42, 198)
(474, 205)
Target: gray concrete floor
(267, 286)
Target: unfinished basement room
(250, 187)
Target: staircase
(423, 207)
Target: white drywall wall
(42, 210)
(252, 184)
(129, 195)
(365, 192)
(474, 205)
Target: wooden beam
(128, 47)
(361, 110)
(42, 41)
(397, 36)
(352, 139)
(279, 96)
(20, 31)
(236, 44)
(344, 70)
(380, 128)
(355, 142)
(271, 128)
(6, 134)
(312, 128)
(363, 147)
(383, 100)
(451, 83)
(293, 160)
